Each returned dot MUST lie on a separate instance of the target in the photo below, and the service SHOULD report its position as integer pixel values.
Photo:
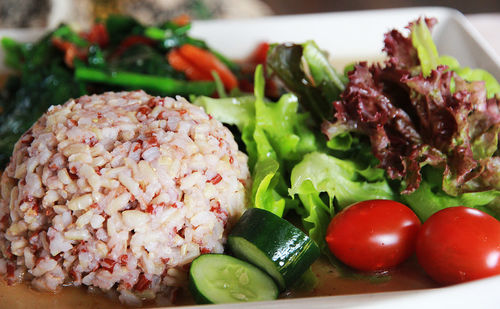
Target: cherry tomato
(259, 55)
(373, 235)
(459, 244)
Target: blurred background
(40, 13)
(313, 6)
(483, 14)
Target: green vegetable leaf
(430, 198)
(141, 58)
(219, 85)
(275, 135)
(13, 57)
(322, 72)
(491, 84)
(238, 111)
(305, 71)
(316, 216)
(342, 141)
(95, 57)
(426, 49)
(67, 34)
(449, 61)
(120, 26)
(155, 84)
(284, 127)
(340, 179)
(343, 183)
(429, 59)
(263, 194)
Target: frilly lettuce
(429, 58)
(429, 198)
(424, 117)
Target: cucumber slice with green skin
(274, 245)
(219, 278)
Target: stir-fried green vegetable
(118, 54)
(44, 81)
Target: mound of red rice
(119, 191)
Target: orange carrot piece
(206, 61)
(181, 20)
(70, 51)
(98, 34)
(178, 62)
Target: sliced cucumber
(274, 245)
(218, 278)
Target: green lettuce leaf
(341, 180)
(429, 59)
(491, 84)
(316, 216)
(264, 195)
(275, 135)
(430, 198)
(426, 49)
(322, 72)
(238, 111)
(306, 71)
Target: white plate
(354, 36)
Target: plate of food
(337, 159)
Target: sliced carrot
(70, 51)
(175, 59)
(206, 61)
(181, 20)
(178, 62)
(98, 34)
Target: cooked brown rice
(119, 190)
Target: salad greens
(287, 159)
(381, 143)
(276, 137)
(344, 183)
(305, 70)
(418, 113)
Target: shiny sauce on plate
(408, 276)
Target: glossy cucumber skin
(199, 298)
(202, 296)
(290, 250)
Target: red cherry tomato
(373, 235)
(259, 55)
(459, 244)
